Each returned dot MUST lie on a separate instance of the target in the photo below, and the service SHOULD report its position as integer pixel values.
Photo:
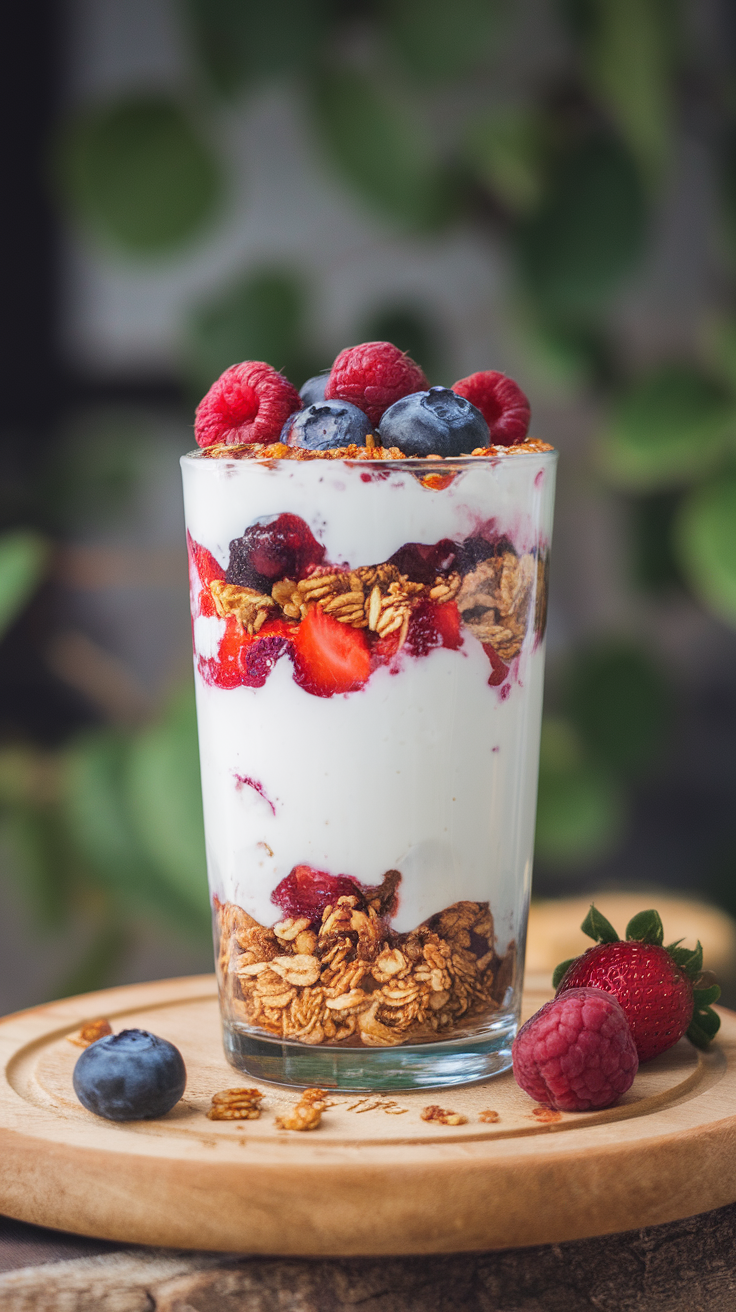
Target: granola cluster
(375, 597)
(371, 451)
(348, 979)
(307, 1113)
(90, 1033)
(495, 600)
(236, 1105)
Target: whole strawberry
(654, 985)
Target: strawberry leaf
(646, 927)
(703, 1027)
(704, 997)
(689, 959)
(561, 970)
(598, 928)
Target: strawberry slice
(202, 560)
(203, 569)
(329, 657)
(227, 670)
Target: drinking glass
(369, 655)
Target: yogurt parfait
(368, 568)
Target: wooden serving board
(374, 1178)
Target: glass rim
(409, 464)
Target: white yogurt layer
(429, 771)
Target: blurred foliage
(93, 469)
(566, 170)
(629, 51)
(618, 700)
(379, 145)
(588, 231)
(260, 317)
(110, 826)
(23, 560)
(668, 427)
(614, 717)
(238, 43)
(141, 174)
(654, 567)
(706, 543)
(581, 810)
(440, 42)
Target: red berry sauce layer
(280, 598)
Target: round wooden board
(375, 1178)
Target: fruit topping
(224, 670)
(250, 402)
(314, 389)
(274, 547)
(433, 626)
(373, 376)
(130, 1076)
(421, 562)
(499, 668)
(577, 1053)
(436, 422)
(203, 570)
(325, 425)
(653, 984)
(259, 657)
(305, 892)
(329, 657)
(204, 563)
(501, 403)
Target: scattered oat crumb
(90, 1033)
(378, 1104)
(236, 1105)
(435, 1113)
(546, 1114)
(307, 1113)
(489, 1117)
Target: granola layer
(494, 599)
(348, 979)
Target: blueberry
(327, 424)
(437, 422)
(314, 388)
(130, 1076)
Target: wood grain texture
(369, 1181)
(685, 1266)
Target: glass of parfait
(369, 655)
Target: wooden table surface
(674, 1165)
(686, 1266)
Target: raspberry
(258, 659)
(576, 1053)
(250, 402)
(434, 626)
(501, 403)
(373, 376)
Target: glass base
(367, 1070)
